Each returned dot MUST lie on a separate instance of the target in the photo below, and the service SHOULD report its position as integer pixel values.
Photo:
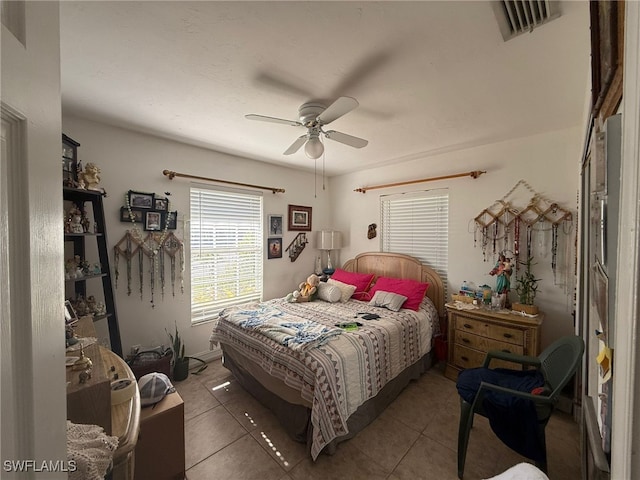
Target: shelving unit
(82, 198)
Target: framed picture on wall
(171, 218)
(160, 203)
(153, 221)
(607, 54)
(140, 199)
(274, 248)
(138, 215)
(299, 218)
(274, 223)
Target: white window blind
(226, 250)
(417, 224)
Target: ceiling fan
(314, 116)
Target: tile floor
(230, 436)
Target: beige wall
(548, 163)
(133, 161)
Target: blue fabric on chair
(512, 419)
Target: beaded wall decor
(502, 225)
(157, 248)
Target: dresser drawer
(485, 344)
(490, 330)
(464, 357)
(506, 334)
(470, 325)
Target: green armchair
(557, 364)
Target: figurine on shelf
(73, 223)
(90, 177)
(502, 270)
(80, 306)
(91, 304)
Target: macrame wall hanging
(153, 253)
(502, 226)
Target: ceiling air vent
(521, 16)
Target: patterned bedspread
(341, 372)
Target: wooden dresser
(472, 333)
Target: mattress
(304, 357)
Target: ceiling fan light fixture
(314, 148)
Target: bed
(327, 383)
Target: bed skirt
(295, 416)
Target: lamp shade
(329, 240)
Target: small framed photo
(153, 221)
(138, 215)
(140, 200)
(171, 218)
(274, 248)
(70, 316)
(299, 218)
(275, 225)
(161, 204)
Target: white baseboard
(207, 356)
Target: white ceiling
(430, 76)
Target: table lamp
(329, 240)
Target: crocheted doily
(91, 450)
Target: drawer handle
(506, 351)
(466, 325)
(466, 340)
(507, 335)
(464, 358)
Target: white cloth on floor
(521, 471)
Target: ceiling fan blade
(346, 139)
(337, 109)
(295, 146)
(263, 118)
(284, 83)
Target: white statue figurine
(90, 177)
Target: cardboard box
(160, 448)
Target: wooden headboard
(400, 266)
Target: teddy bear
(305, 290)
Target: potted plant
(180, 361)
(526, 288)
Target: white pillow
(345, 289)
(329, 293)
(392, 301)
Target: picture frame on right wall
(299, 218)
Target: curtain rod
(171, 175)
(474, 174)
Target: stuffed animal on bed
(305, 290)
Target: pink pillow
(362, 282)
(413, 290)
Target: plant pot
(181, 369)
(528, 309)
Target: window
(226, 250)
(417, 224)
